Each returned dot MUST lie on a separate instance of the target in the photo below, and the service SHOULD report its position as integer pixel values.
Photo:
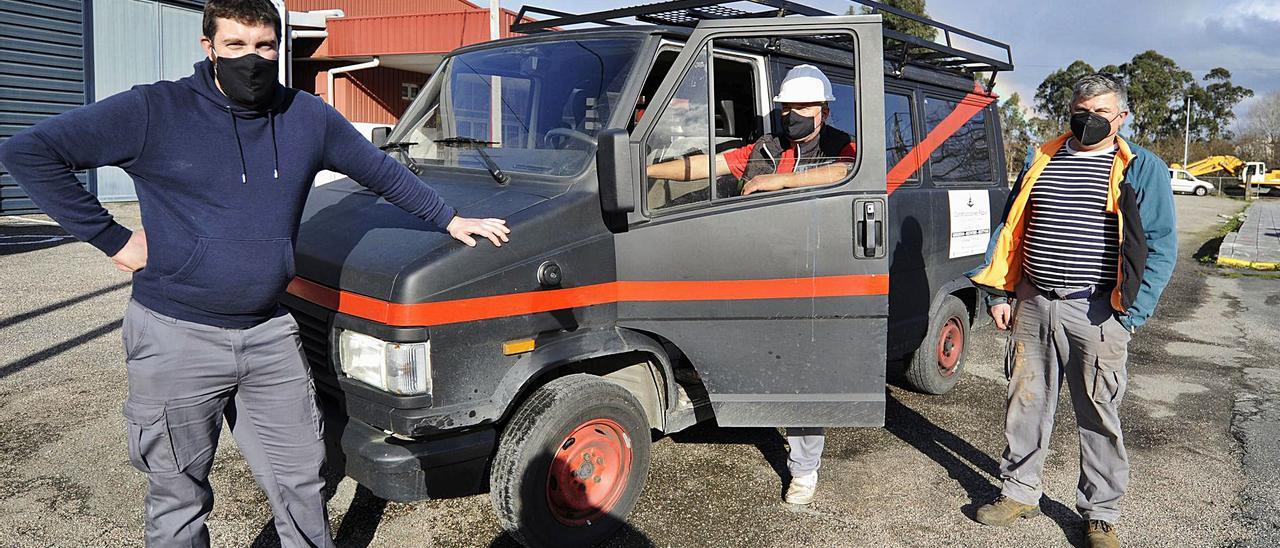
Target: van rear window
(964, 156)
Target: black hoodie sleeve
(349, 153)
(44, 157)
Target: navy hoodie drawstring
(275, 150)
(244, 168)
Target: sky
(1045, 35)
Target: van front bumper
(402, 470)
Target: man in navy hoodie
(222, 162)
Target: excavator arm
(1230, 164)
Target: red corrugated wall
(370, 95)
(407, 34)
(364, 8)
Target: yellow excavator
(1254, 173)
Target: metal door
(778, 300)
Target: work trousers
(1079, 340)
(184, 378)
(805, 454)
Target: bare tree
(1262, 129)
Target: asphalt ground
(1200, 420)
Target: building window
(409, 92)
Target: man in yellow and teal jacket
(1085, 248)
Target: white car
(1182, 181)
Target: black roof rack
(900, 47)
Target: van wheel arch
(937, 365)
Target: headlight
(399, 368)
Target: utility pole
(494, 26)
(495, 82)
(1186, 141)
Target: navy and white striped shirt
(1072, 242)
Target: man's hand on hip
(1002, 314)
(462, 229)
(133, 256)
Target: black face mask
(1090, 128)
(798, 126)
(249, 79)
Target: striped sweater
(1071, 241)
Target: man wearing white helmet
(804, 152)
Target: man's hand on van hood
(462, 229)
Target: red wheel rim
(950, 346)
(589, 472)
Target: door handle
(868, 229)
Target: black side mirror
(615, 171)
(380, 135)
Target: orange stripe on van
(532, 302)
(969, 107)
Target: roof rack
(899, 47)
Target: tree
(902, 24)
(1213, 105)
(1018, 138)
(1053, 96)
(1155, 83)
(1261, 139)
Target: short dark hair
(249, 12)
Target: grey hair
(1098, 84)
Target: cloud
(1241, 14)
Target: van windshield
(528, 108)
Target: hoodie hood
(202, 82)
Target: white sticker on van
(970, 222)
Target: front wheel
(1201, 191)
(571, 463)
(936, 366)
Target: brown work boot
(1004, 511)
(1102, 534)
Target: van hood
(352, 239)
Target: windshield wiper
(398, 145)
(477, 145)
(464, 142)
(402, 153)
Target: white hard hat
(805, 84)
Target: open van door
(778, 299)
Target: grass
(1228, 272)
(1208, 253)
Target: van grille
(315, 342)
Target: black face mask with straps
(799, 126)
(249, 80)
(1091, 128)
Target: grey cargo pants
(183, 379)
(1081, 341)
(805, 449)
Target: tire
(1201, 191)
(936, 366)
(541, 452)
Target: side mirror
(380, 135)
(614, 169)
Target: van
(624, 306)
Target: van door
(779, 298)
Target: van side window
(661, 66)
(685, 126)
(681, 139)
(899, 130)
(964, 156)
(828, 161)
(843, 114)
